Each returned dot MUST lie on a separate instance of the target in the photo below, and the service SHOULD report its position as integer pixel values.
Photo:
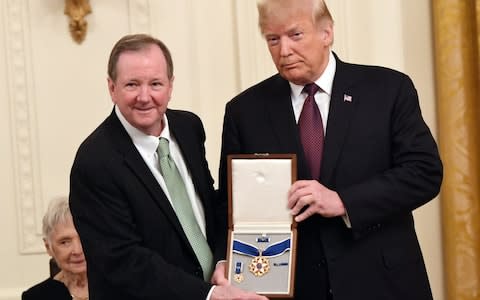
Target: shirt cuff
(210, 292)
(346, 220)
(219, 262)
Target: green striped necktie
(183, 208)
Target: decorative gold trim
(457, 76)
(76, 10)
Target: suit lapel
(342, 108)
(280, 113)
(187, 141)
(140, 170)
(194, 157)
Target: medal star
(259, 266)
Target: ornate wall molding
(139, 16)
(22, 111)
(76, 10)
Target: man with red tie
(366, 158)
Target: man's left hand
(316, 198)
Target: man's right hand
(224, 291)
(229, 292)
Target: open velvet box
(262, 234)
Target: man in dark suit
(377, 158)
(141, 240)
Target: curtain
(456, 26)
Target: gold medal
(259, 266)
(238, 277)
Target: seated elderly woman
(63, 245)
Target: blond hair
(269, 8)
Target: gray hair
(58, 211)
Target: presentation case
(262, 234)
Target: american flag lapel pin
(347, 98)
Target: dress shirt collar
(147, 143)
(325, 81)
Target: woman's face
(65, 247)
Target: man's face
(63, 244)
(299, 48)
(142, 88)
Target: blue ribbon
(271, 251)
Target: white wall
(53, 93)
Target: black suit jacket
(134, 244)
(47, 289)
(381, 158)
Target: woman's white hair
(58, 211)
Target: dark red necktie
(311, 131)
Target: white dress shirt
(322, 98)
(147, 147)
